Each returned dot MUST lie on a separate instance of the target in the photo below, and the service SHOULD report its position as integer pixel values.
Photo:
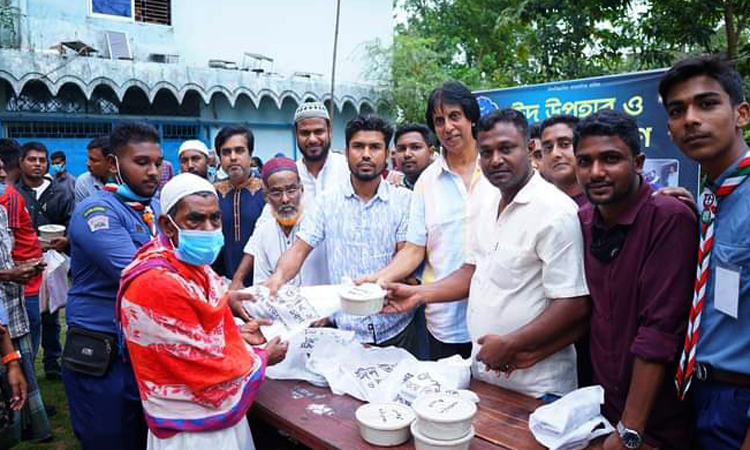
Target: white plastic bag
(572, 421)
(53, 293)
(293, 309)
(301, 345)
(425, 377)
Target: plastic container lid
(363, 292)
(444, 408)
(51, 228)
(385, 416)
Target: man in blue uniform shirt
(106, 230)
(240, 197)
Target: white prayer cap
(193, 144)
(310, 110)
(180, 187)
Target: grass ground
(53, 393)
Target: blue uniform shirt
(104, 235)
(724, 341)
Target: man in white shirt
(524, 274)
(319, 168)
(283, 190)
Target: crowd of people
(539, 251)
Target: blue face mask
(212, 171)
(2, 188)
(255, 172)
(198, 247)
(54, 169)
(124, 190)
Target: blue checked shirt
(12, 309)
(360, 238)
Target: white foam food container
(362, 300)
(385, 424)
(47, 232)
(422, 442)
(444, 417)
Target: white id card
(727, 290)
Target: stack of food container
(443, 422)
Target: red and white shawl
(194, 370)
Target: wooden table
(321, 420)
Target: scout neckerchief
(711, 199)
(147, 213)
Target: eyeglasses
(278, 194)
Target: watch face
(631, 440)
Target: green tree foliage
(503, 43)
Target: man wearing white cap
(196, 374)
(319, 168)
(193, 156)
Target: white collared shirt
(529, 255)
(269, 242)
(441, 211)
(335, 171)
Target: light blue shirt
(360, 238)
(724, 341)
(86, 184)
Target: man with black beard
(319, 168)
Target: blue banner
(634, 93)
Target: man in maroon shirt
(640, 262)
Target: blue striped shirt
(360, 238)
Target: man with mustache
(415, 150)
(240, 197)
(707, 112)
(98, 169)
(640, 256)
(524, 273)
(283, 190)
(193, 156)
(106, 230)
(361, 224)
(558, 161)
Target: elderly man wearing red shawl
(196, 373)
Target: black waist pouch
(89, 352)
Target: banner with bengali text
(634, 93)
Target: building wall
(298, 34)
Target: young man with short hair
(240, 196)
(557, 154)
(414, 151)
(362, 224)
(640, 253)
(524, 275)
(106, 230)
(48, 203)
(59, 170)
(98, 169)
(707, 112)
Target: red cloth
(26, 244)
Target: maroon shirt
(641, 300)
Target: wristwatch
(631, 439)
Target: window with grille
(45, 129)
(180, 131)
(153, 11)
